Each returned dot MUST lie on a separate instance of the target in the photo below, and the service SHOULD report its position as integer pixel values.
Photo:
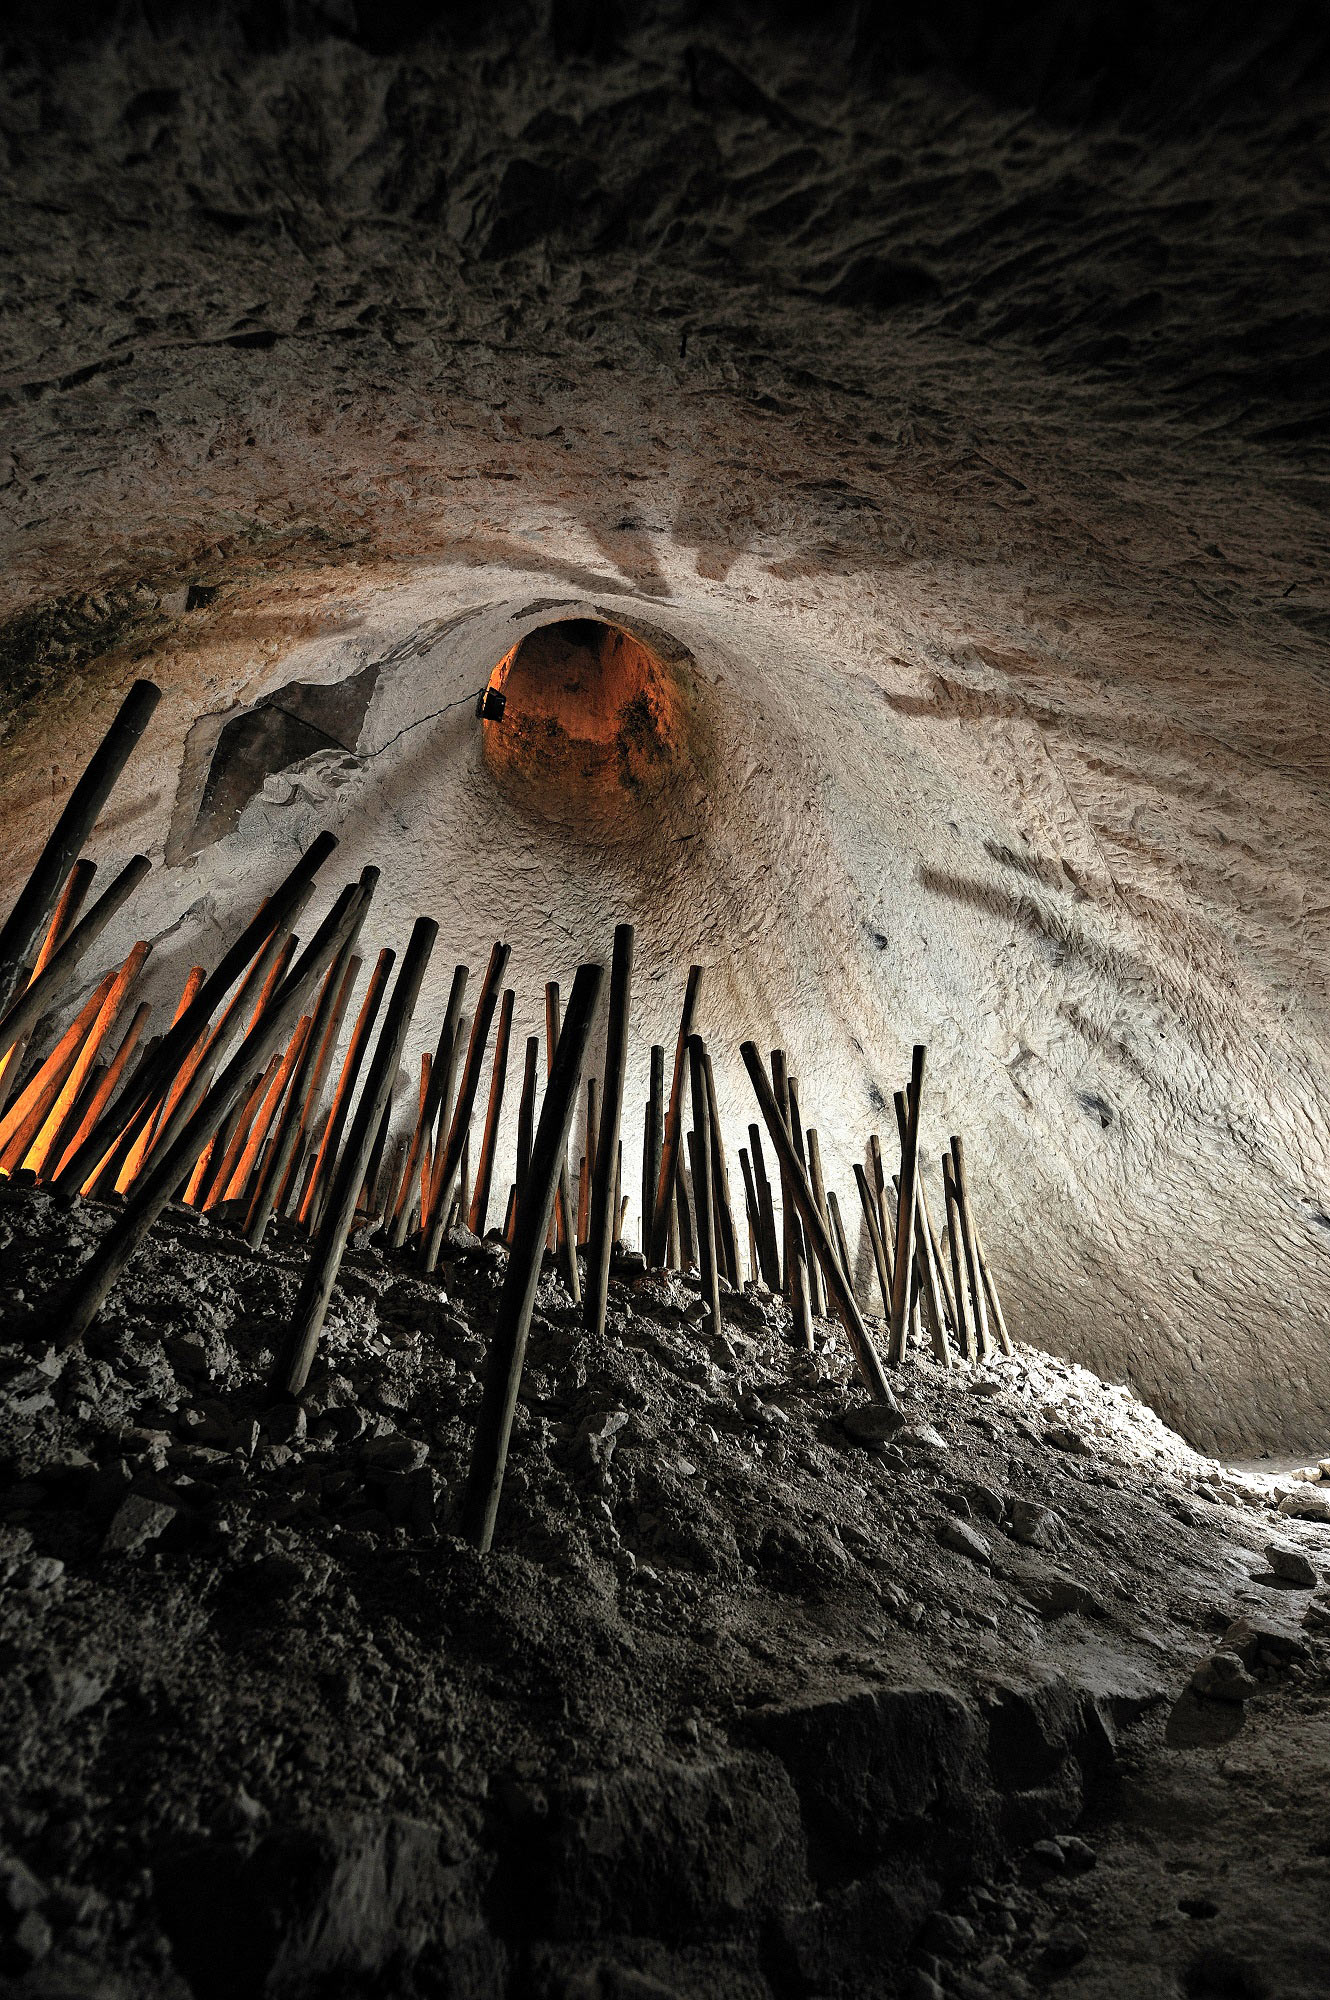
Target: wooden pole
(653, 1127)
(928, 1287)
(507, 1351)
(443, 1068)
(983, 1339)
(796, 1263)
(768, 1244)
(165, 1174)
(237, 1185)
(885, 1222)
(866, 1355)
(398, 1210)
(669, 1152)
(106, 1088)
(325, 1164)
(239, 1129)
(838, 1231)
(868, 1202)
(70, 902)
(605, 1177)
(155, 1074)
(280, 1159)
(70, 834)
(448, 1164)
(964, 1322)
(700, 1149)
(996, 1314)
(818, 1184)
(905, 1207)
(727, 1242)
(31, 1108)
(586, 1166)
(480, 1204)
(815, 1301)
(526, 1118)
(302, 1336)
(939, 1263)
(565, 1235)
(130, 1159)
(305, 1107)
(754, 1213)
(44, 992)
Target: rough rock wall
(964, 459)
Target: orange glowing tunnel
(593, 719)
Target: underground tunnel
(664, 1033)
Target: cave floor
(748, 1701)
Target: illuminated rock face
(952, 693)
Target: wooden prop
(983, 1340)
(699, 1147)
(442, 1069)
(868, 1202)
(106, 1089)
(45, 991)
(866, 1355)
(753, 1212)
(503, 1377)
(816, 1305)
(964, 1321)
(480, 1204)
(586, 1165)
(70, 834)
(885, 1221)
(237, 1131)
(727, 1242)
(838, 1231)
(31, 1108)
(345, 1091)
(526, 1115)
(303, 1106)
(796, 1263)
(564, 1234)
(768, 1243)
(819, 1187)
(400, 1196)
(606, 1219)
(280, 1159)
(653, 1127)
(128, 1161)
(60, 1123)
(168, 1172)
(928, 1289)
(996, 1314)
(70, 902)
(236, 1186)
(448, 1164)
(669, 1152)
(302, 1337)
(155, 1073)
(939, 1263)
(905, 1212)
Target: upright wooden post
(526, 1115)
(868, 1202)
(480, 1204)
(768, 1244)
(904, 1260)
(565, 1233)
(449, 1162)
(727, 1243)
(815, 1304)
(838, 1231)
(700, 1150)
(996, 1314)
(503, 1375)
(653, 1127)
(324, 1164)
(796, 1264)
(436, 1091)
(670, 1146)
(301, 1342)
(983, 1340)
(605, 1178)
(956, 1246)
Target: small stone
(949, 1936)
(1252, 1643)
(137, 1521)
(1292, 1565)
(286, 1423)
(394, 1454)
(1223, 1678)
(1032, 1524)
(1078, 1853)
(1050, 1852)
(1307, 1503)
(921, 1438)
(954, 1534)
(42, 1572)
(33, 1937)
(871, 1424)
(1316, 1618)
(1065, 1946)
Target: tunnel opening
(592, 720)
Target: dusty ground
(741, 1704)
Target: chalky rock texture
(938, 401)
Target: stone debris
(1292, 1565)
(1223, 1677)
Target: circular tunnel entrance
(592, 721)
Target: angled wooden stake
(480, 1202)
(670, 1143)
(605, 1175)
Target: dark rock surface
(719, 1717)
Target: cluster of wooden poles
(234, 1109)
